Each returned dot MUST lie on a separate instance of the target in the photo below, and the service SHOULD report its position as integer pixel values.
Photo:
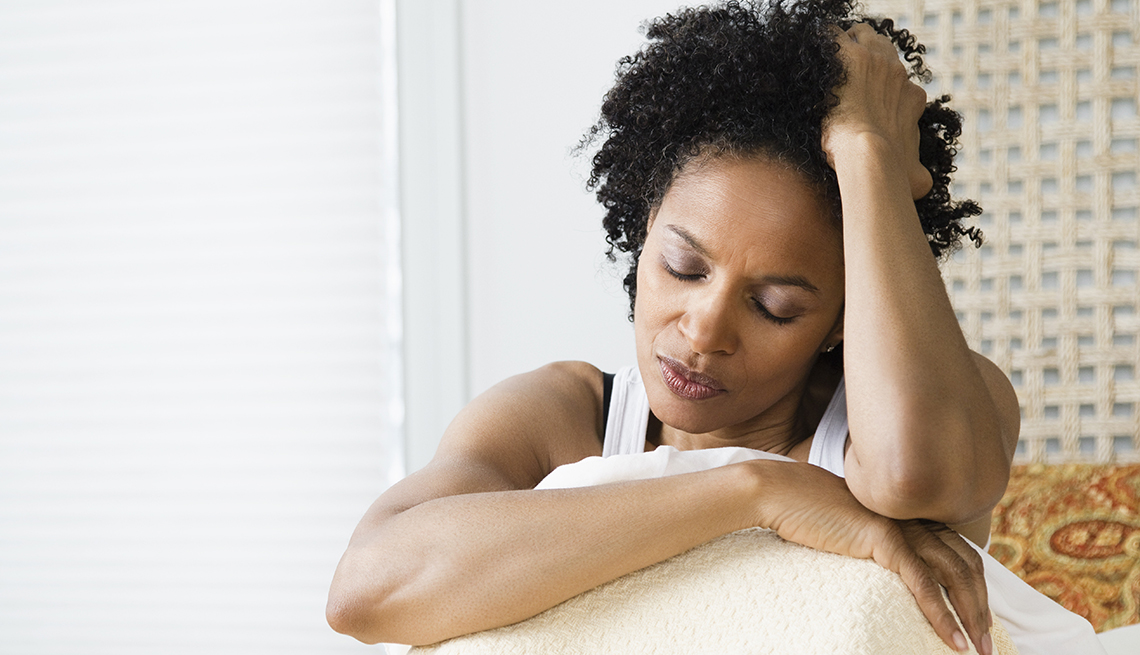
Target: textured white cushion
(747, 592)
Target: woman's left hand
(877, 99)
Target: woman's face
(739, 288)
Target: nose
(708, 326)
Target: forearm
(920, 412)
(460, 564)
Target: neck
(779, 438)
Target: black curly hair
(748, 78)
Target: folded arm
(467, 544)
(933, 425)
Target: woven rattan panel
(1049, 94)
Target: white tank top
(628, 421)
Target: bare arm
(467, 544)
(933, 425)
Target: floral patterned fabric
(1072, 531)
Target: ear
(836, 335)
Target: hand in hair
(877, 99)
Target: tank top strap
(628, 419)
(829, 445)
(628, 416)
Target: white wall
(494, 96)
(432, 222)
(534, 74)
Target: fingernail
(987, 644)
(960, 642)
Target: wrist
(862, 158)
(855, 149)
(758, 483)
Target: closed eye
(681, 276)
(778, 320)
(763, 311)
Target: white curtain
(199, 318)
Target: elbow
(361, 604)
(946, 498)
(348, 618)
(947, 461)
(378, 611)
(952, 492)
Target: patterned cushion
(1072, 531)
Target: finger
(862, 32)
(921, 181)
(967, 563)
(969, 601)
(981, 623)
(914, 104)
(918, 577)
(868, 37)
(914, 100)
(959, 569)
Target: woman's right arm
(466, 544)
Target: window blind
(199, 318)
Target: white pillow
(746, 592)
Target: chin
(694, 417)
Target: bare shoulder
(509, 438)
(550, 416)
(1004, 399)
(515, 433)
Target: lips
(687, 383)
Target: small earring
(829, 348)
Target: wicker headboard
(1050, 149)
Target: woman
(761, 166)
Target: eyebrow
(778, 280)
(688, 238)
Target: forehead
(752, 205)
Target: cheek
(775, 349)
(656, 307)
(642, 301)
(650, 304)
(778, 350)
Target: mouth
(687, 383)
